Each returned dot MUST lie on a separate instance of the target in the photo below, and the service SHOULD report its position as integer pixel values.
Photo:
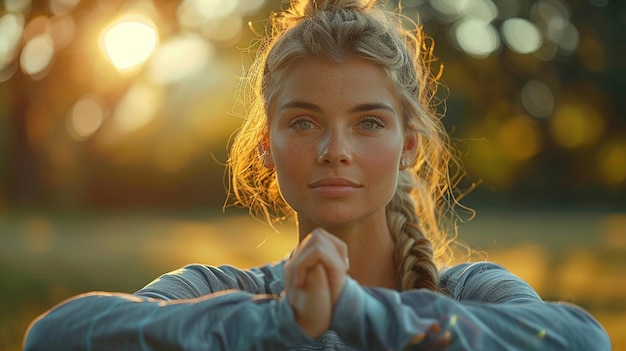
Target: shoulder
(197, 280)
(485, 282)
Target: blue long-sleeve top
(483, 307)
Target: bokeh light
(36, 26)
(61, 7)
(194, 13)
(137, 107)
(250, 7)
(130, 41)
(568, 38)
(477, 38)
(537, 98)
(37, 55)
(16, 6)
(518, 138)
(480, 10)
(179, 57)
(521, 36)
(447, 10)
(223, 30)
(576, 124)
(220, 21)
(61, 30)
(547, 52)
(502, 144)
(11, 27)
(85, 117)
(553, 17)
(612, 162)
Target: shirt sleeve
(197, 280)
(485, 308)
(192, 312)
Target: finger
(340, 246)
(312, 305)
(292, 278)
(317, 248)
(319, 234)
(333, 255)
(316, 279)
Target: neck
(370, 249)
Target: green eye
(372, 123)
(368, 124)
(305, 124)
(301, 124)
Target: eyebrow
(358, 108)
(301, 105)
(371, 106)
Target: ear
(409, 149)
(265, 152)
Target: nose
(334, 148)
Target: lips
(334, 181)
(334, 187)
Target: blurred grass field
(578, 257)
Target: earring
(402, 163)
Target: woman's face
(336, 140)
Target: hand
(312, 303)
(321, 247)
(314, 278)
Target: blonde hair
(340, 29)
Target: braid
(414, 252)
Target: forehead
(324, 81)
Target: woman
(339, 135)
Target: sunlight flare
(129, 42)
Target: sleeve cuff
(377, 318)
(289, 331)
(348, 315)
(348, 307)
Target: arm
(224, 320)
(490, 309)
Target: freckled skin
(332, 119)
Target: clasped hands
(314, 278)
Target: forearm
(230, 321)
(384, 319)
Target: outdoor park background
(115, 115)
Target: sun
(129, 42)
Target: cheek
(383, 157)
(383, 165)
(291, 174)
(290, 160)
